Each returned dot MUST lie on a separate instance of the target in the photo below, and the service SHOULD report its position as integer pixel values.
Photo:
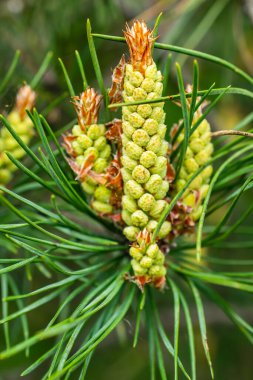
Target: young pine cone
(90, 152)
(23, 126)
(144, 153)
(198, 153)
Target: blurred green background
(219, 27)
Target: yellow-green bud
(126, 174)
(183, 173)
(191, 165)
(204, 127)
(131, 233)
(146, 262)
(140, 137)
(100, 165)
(140, 174)
(124, 139)
(125, 111)
(95, 131)
(106, 152)
(88, 188)
(160, 258)
(152, 251)
(126, 216)
(136, 253)
(160, 165)
(158, 88)
(151, 126)
(155, 143)
(151, 71)
(139, 94)
(196, 214)
(128, 162)
(157, 271)
(91, 152)
(148, 159)
(153, 184)
(162, 130)
(158, 114)
(145, 110)
(146, 202)
(151, 226)
(158, 208)
(139, 218)
(102, 194)
(134, 189)
(164, 148)
(76, 130)
(202, 157)
(138, 269)
(159, 76)
(207, 172)
(162, 192)
(84, 141)
(80, 160)
(197, 145)
(129, 88)
(76, 147)
(164, 230)
(100, 143)
(203, 191)
(104, 208)
(127, 129)
(136, 120)
(190, 200)
(135, 78)
(196, 183)
(129, 203)
(133, 150)
(148, 84)
(130, 109)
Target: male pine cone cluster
(90, 151)
(143, 154)
(23, 126)
(198, 153)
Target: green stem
(193, 53)
(215, 91)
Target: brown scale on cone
(115, 92)
(25, 100)
(140, 41)
(181, 221)
(114, 131)
(87, 107)
(115, 183)
(67, 140)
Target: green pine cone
(91, 153)
(144, 154)
(198, 153)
